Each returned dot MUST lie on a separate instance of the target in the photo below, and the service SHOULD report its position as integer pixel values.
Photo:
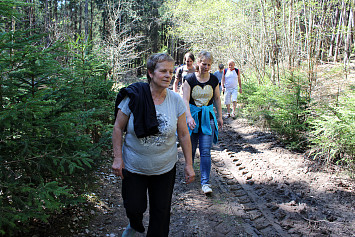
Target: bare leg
(228, 109)
(234, 107)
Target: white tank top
(231, 79)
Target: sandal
(232, 115)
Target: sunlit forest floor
(331, 81)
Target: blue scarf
(205, 120)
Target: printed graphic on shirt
(202, 95)
(161, 137)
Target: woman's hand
(220, 123)
(117, 167)
(117, 140)
(189, 174)
(191, 123)
(185, 141)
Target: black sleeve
(214, 81)
(189, 78)
(179, 73)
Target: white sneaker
(206, 189)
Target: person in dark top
(182, 71)
(200, 90)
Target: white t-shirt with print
(157, 154)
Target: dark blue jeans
(204, 143)
(160, 190)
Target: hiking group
(150, 118)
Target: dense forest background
(63, 61)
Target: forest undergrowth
(317, 118)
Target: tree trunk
(46, 16)
(320, 32)
(86, 19)
(347, 49)
(334, 26)
(80, 17)
(275, 47)
(339, 32)
(266, 39)
(91, 18)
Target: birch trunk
(339, 32)
(334, 26)
(347, 49)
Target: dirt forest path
(259, 189)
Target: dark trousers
(160, 190)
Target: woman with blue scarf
(200, 90)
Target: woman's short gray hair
(154, 59)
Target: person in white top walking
(230, 82)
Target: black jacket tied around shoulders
(142, 106)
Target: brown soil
(259, 189)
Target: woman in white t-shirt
(147, 162)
